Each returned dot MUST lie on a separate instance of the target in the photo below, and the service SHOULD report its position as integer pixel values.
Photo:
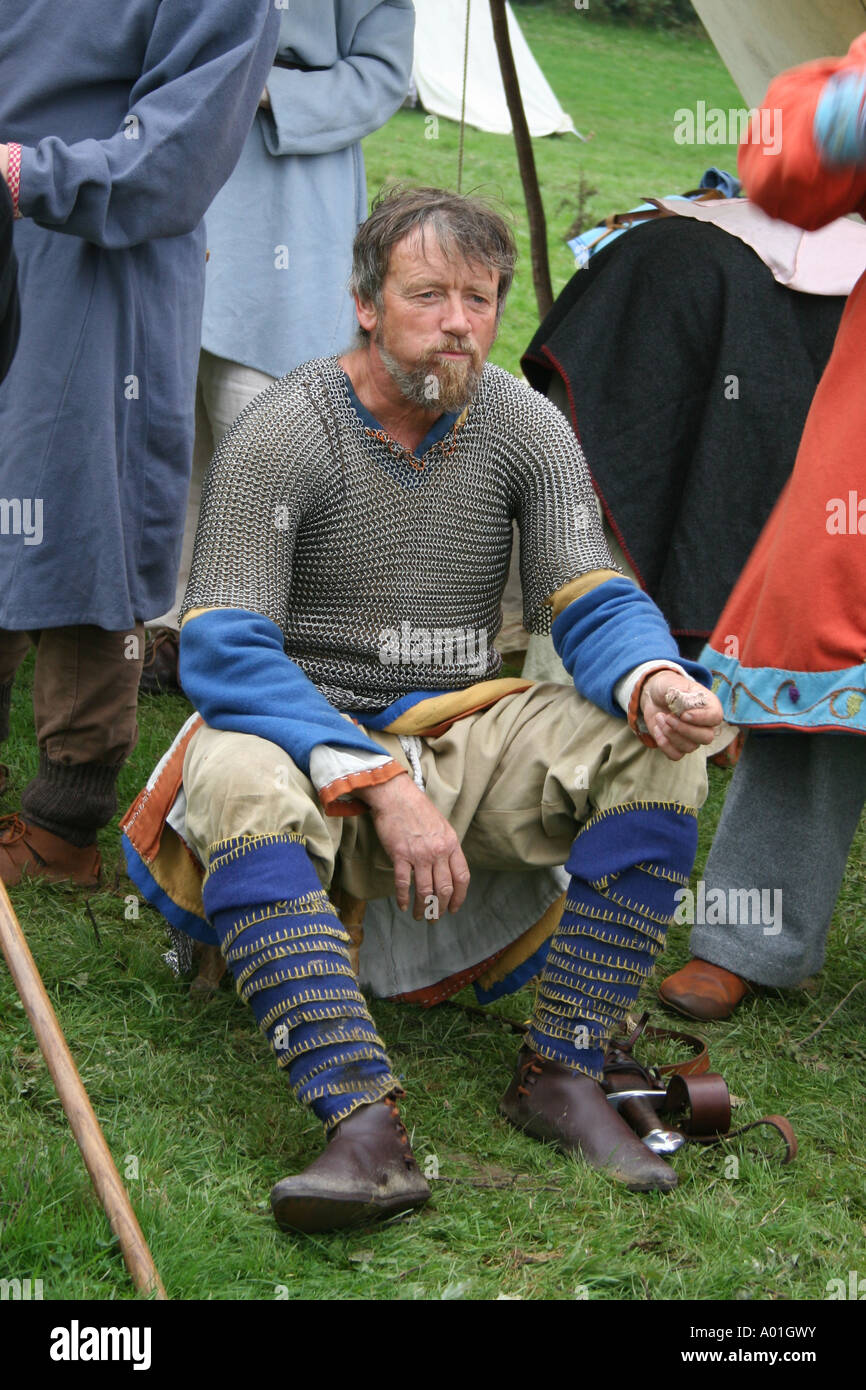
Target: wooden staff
(525, 160)
(79, 1112)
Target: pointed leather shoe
(550, 1101)
(27, 849)
(704, 991)
(367, 1172)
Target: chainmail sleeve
(561, 535)
(253, 500)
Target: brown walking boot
(367, 1172)
(704, 991)
(26, 849)
(159, 672)
(551, 1101)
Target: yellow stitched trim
(572, 946)
(633, 974)
(612, 919)
(312, 904)
(602, 1004)
(552, 1006)
(677, 806)
(596, 1010)
(327, 998)
(296, 952)
(386, 1085)
(311, 971)
(576, 588)
(243, 844)
(655, 872)
(373, 1052)
(588, 988)
(352, 1035)
(567, 1035)
(539, 1046)
(234, 954)
(642, 910)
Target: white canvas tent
(757, 39)
(440, 32)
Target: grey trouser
(786, 828)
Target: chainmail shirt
(386, 572)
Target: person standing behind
(280, 232)
(9, 312)
(787, 653)
(118, 124)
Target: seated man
(346, 584)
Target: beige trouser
(514, 781)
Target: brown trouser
(85, 692)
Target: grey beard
(446, 389)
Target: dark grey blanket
(690, 372)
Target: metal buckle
(617, 1098)
(664, 1141)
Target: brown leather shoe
(159, 673)
(366, 1172)
(704, 991)
(26, 849)
(550, 1101)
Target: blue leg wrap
(288, 951)
(626, 866)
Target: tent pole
(463, 99)
(525, 160)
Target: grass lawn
(621, 87)
(191, 1104)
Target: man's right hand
(420, 843)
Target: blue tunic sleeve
(190, 110)
(319, 112)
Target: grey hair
(464, 227)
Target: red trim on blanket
(598, 492)
(444, 989)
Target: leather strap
(693, 1066)
(777, 1122)
(706, 1101)
(701, 1094)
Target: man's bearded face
(444, 383)
(435, 325)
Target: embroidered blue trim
(775, 698)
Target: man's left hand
(676, 735)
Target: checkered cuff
(13, 175)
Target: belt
(296, 67)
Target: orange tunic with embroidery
(789, 648)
